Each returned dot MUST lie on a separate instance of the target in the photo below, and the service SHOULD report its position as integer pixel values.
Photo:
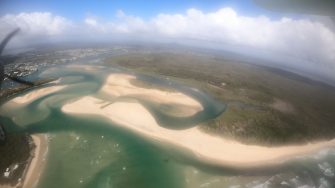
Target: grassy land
(265, 105)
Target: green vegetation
(15, 155)
(16, 148)
(265, 105)
(142, 84)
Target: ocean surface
(91, 152)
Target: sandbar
(33, 95)
(119, 85)
(136, 117)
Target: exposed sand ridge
(136, 117)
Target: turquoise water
(90, 151)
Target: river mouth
(89, 151)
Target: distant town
(25, 64)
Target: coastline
(11, 107)
(117, 85)
(37, 162)
(37, 159)
(135, 117)
(212, 149)
(36, 94)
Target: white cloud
(309, 41)
(36, 23)
(300, 38)
(91, 22)
(35, 27)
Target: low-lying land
(131, 114)
(265, 105)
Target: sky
(296, 41)
(78, 9)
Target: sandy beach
(37, 163)
(214, 149)
(35, 168)
(134, 116)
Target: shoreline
(11, 107)
(33, 95)
(212, 149)
(135, 117)
(119, 84)
(37, 162)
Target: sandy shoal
(137, 118)
(119, 85)
(35, 168)
(37, 163)
(13, 108)
(35, 94)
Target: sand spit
(214, 149)
(119, 85)
(136, 117)
(31, 96)
(12, 107)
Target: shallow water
(90, 151)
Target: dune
(137, 118)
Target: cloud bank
(35, 24)
(311, 43)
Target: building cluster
(30, 62)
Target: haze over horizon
(300, 42)
(168, 94)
